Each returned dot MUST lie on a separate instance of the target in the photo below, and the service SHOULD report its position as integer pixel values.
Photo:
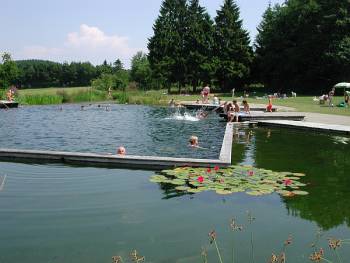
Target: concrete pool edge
(127, 161)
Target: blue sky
(90, 30)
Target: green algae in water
(233, 179)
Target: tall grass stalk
(324, 259)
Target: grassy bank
(301, 103)
(86, 94)
(59, 95)
(159, 97)
(306, 104)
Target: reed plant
(38, 99)
(139, 97)
(62, 96)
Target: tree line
(304, 45)
(189, 48)
(301, 45)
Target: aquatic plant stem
(326, 260)
(217, 250)
(205, 259)
(252, 246)
(233, 249)
(338, 256)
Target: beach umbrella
(342, 85)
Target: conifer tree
(199, 44)
(232, 52)
(167, 45)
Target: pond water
(58, 213)
(142, 130)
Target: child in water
(121, 150)
(193, 141)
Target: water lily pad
(177, 182)
(223, 192)
(233, 179)
(254, 193)
(298, 174)
(194, 190)
(182, 188)
(297, 192)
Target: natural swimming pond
(143, 130)
(57, 213)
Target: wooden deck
(5, 104)
(198, 106)
(256, 116)
(217, 108)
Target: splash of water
(177, 115)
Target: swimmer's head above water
(121, 150)
(193, 141)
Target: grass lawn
(300, 103)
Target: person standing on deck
(205, 94)
(269, 106)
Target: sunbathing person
(233, 113)
(246, 107)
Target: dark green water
(57, 213)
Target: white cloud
(89, 44)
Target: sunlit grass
(160, 97)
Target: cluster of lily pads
(232, 179)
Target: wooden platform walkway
(218, 108)
(304, 125)
(257, 116)
(5, 104)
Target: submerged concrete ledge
(303, 125)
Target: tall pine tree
(167, 46)
(232, 52)
(266, 38)
(198, 45)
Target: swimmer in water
(121, 150)
(201, 114)
(194, 143)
